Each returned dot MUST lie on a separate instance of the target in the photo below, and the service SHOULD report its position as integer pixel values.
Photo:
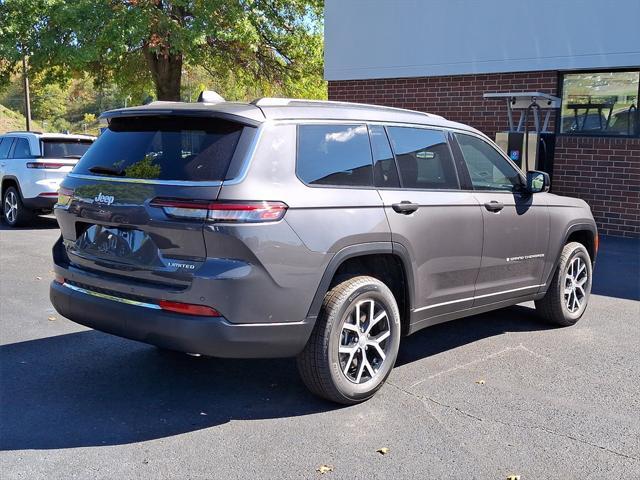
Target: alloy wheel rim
(575, 283)
(10, 207)
(365, 341)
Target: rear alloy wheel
(568, 294)
(354, 343)
(364, 341)
(15, 213)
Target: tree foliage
(273, 45)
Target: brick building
(441, 57)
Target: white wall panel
(408, 38)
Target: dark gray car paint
(454, 251)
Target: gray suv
(321, 230)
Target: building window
(600, 103)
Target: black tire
(19, 215)
(558, 307)
(322, 367)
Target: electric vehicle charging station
(530, 148)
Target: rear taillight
(227, 212)
(48, 165)
(188, 309)
(64, 196)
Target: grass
(10, 120)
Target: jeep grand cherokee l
(321, 230)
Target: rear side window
(64, 148)
(5, 145)
(21, 150)
(424, 159)
(384, 166)
(163, 148)
(337, 155)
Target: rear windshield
(163, 148)
(65, 148)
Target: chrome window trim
(477, 297)
(190, 183)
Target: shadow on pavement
(617, 271)
(91, 389)
(38, 223)
(450, 335)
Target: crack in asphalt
(423, 398)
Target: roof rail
(283, 102)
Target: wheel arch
(583, 233)
(388, 262)
(10, 181)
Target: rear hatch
(62, 154)
(130, 206)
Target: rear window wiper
(77, 157)
(107, 170)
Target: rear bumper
(213, 336)
(40, 203)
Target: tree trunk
(166, 70)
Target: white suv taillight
(46, 165)
(227, 212)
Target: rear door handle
(494, 206)
(405, 207)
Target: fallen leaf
(513, 477)
(480, 382)
(51, 318)
(38, 278)
(383, 450)
(322, 469)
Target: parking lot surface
(483, 397)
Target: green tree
(277, 43)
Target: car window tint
(337, 155)
(164, 148)
(384, 165)
(488, 169)
(5, 145)
(21, 149)
(65, 148)
(424, 159)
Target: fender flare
(576, 227)
(15, 180)
(359, 250)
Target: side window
(337, 155)
(5, 146)
(488, 169)
(384, 166)
(424, 159)
(22, 149)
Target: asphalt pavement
(484, 397)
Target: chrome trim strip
(189, 183)
(477, 297)
(113, 298)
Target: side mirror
(538, 181)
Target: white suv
(32, 165)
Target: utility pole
(27, 100)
